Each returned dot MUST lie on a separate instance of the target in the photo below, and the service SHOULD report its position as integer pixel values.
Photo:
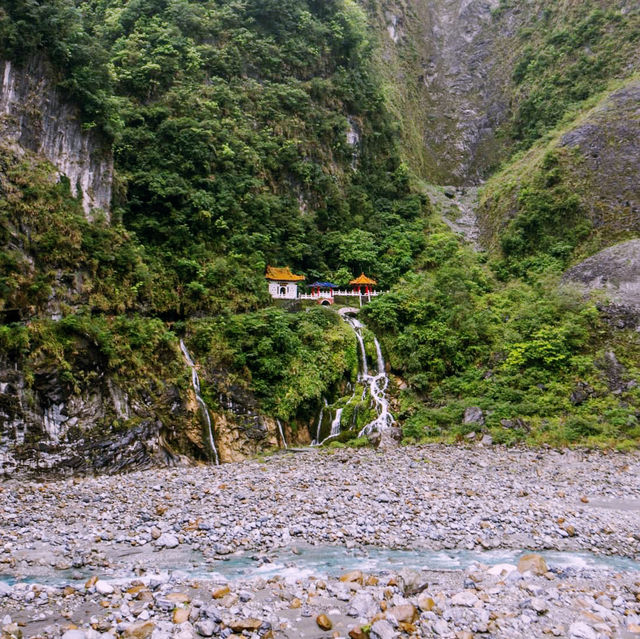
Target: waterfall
(357, 326)
(335, 427)
(195, 382)
(284, 441)
(319, 428)
(335, 424)
(377, 383)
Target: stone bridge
(348, 310)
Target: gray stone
(465, 598)
(382, 629)
(473, 415)
(206, 628)
(580, 630)
(103, 587)
(615, 270)
(167, 540)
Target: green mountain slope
(299, 133)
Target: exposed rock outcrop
(34, 115)
(439, 54)
(45, 427)
(608, 143)
(451, 64)
(242, 431)
(598, 161)
(616, 271)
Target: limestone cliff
(34, 115)
(437, 57)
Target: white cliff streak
(34, 116)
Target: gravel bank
(155, 541)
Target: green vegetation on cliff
(243, 134)
(566, 53)
(262, 132)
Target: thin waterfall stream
(377, 383)
(284, 441)
(195, 383)
(319, 427)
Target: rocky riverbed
(291, 546)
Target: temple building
(283, 284)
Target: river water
(296, 562)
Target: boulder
(167, 540)
(103, 587)
(382, 629)
(580, 630)
(324, 622)
(406, 613)
(221, 592)
(351, 576)
(533, 563)
(473, 415)
(465, 598)
(141, 630)
(426, 602)
(240, 625)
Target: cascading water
(195, 382)
(377, 383)
(284, 441)
(319, 427)
(335, 424)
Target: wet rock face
(616, 271)
(241, 431)
(35, 116)
(47, 428)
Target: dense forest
(258, 132)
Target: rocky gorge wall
(35, 116)
(109, 425)
(597, 159)
(447, 86)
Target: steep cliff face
(614, 271)
(438, 58)
(110, 423)
(48, 427)
(606, 148)
(471, 79)
(35, 116)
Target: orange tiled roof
(363, 279)
(282, 274)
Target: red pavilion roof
(363, 279)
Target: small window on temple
(283, 290)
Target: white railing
(326, 295)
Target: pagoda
(361, 281)
(283, 284)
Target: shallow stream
(295, 562)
